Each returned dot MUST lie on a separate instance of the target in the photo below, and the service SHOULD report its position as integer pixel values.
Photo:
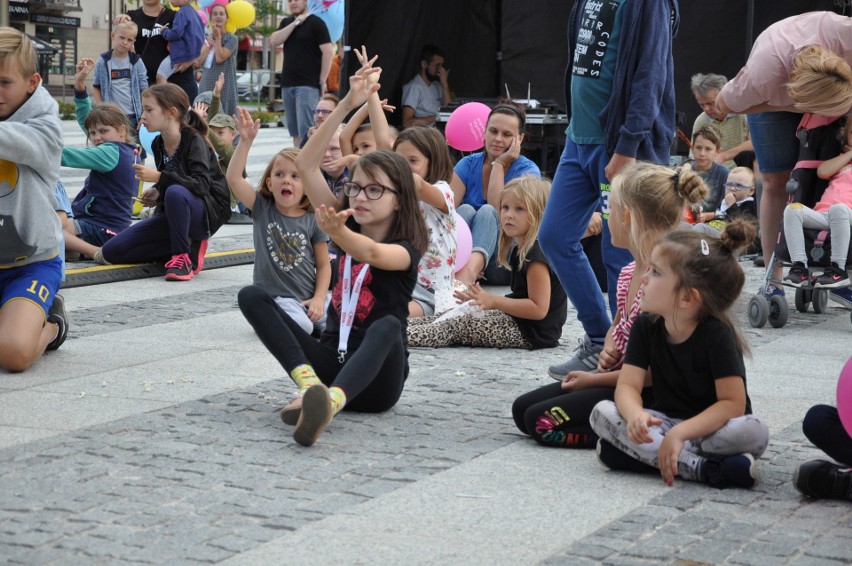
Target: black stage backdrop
(492, 44)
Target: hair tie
(705, 247)
(676, 177)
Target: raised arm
(829, 168)
(240, 186)
(310, 157)
(348, 132)
(280, 36)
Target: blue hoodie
(639, 118)
(185, 36)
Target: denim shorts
(425, 298)
(774, 137)
(92, 233)
(299, 104)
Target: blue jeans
(484, 228)
(299, 104)
(579, 187)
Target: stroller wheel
(820, 300)
(758, 311)
(778, 311)
(803, 299)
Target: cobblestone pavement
(197, 468)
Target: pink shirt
(767, 71)
(839, 190)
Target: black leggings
(822, 426)
(373, 375)
(555, 418)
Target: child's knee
(840, 211)
(16, 357)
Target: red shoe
(179, 268)
(198, 249)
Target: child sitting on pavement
(104, 206)
(32, 315)
(705, 147)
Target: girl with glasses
(361, 359)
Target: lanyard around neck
(348, 304)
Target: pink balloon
(216, 3)
(844, 396)
(465, 129)
(464, 242)
(203, 15)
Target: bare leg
(472, 269)
(74, 243)
(772, 203)
(24, 334)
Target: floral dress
(438, 265)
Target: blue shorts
(36, 282)
(774, 137)
(92, 233)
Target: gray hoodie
(30, 151)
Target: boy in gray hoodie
(32, 315)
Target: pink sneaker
(179, 268)
(198, 250)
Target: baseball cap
(221, 120)
(205, 97)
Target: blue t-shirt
(469, 170)
(593, 68)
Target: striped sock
(338, 399)
(304, 376)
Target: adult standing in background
(307, 61)
(797, 65)
(621, 101)
(423, 96)
(151, 19)
(219, 55)
(732, 127)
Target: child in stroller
(821, 196)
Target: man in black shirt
(307, 62)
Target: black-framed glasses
(737, 186)
(373, 191)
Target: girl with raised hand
(190, 190)
(645, 203)
(428, 156)
(104, 206)
(361, 359)
(532, 315)
(291, 252)
(700, 426)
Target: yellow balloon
(240, 14)
(230, 28)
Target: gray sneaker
(585, 359)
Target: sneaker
(798, 275)
(179, 268)
(99, 258)
(832, 277)
(773, 291)
(841, 296)
(731, 471)
(290, 413)
(823, 479)
(58, 316)
(197, 251)
(315, 416)
(585, 359)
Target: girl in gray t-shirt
(291, 253)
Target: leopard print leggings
(493, 329)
